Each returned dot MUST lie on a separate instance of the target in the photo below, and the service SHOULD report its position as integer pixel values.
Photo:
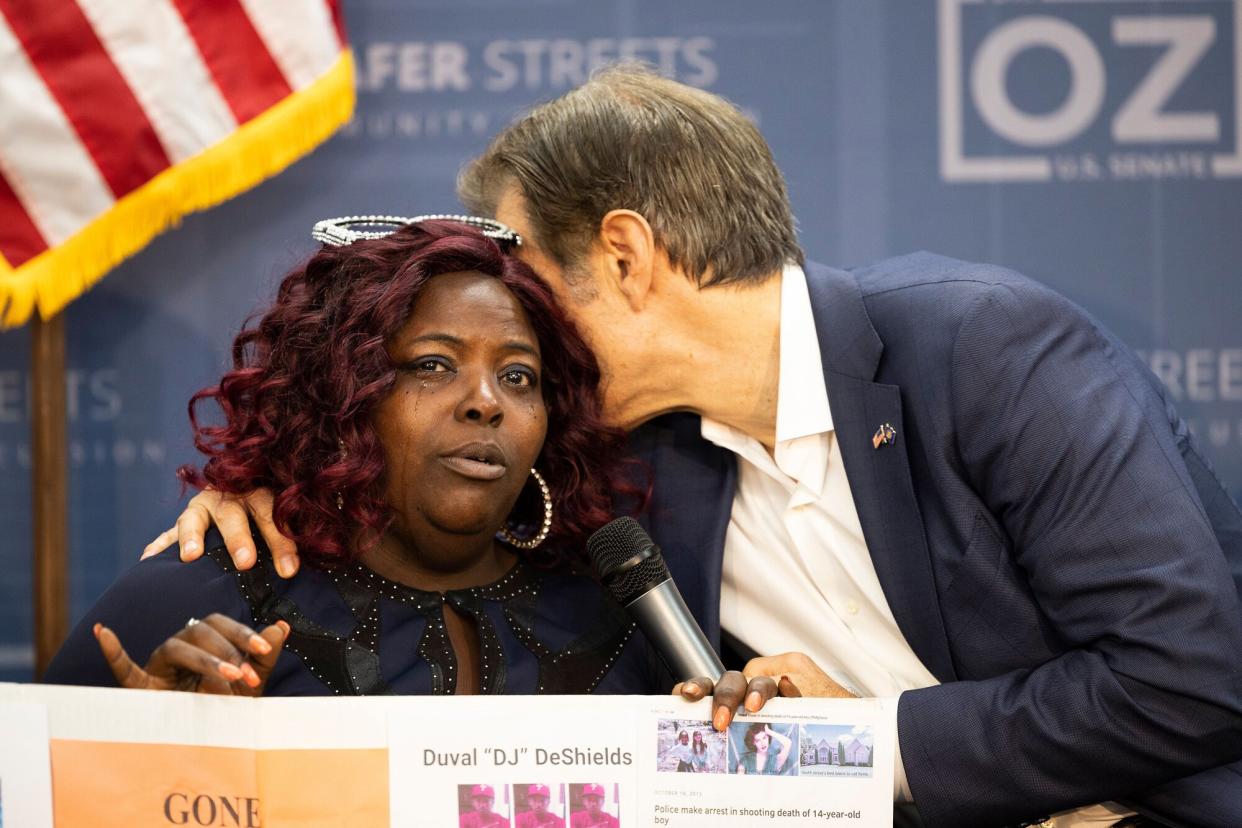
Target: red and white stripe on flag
(118, 118)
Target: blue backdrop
(1092, 145)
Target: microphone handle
(666, 621)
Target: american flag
(117, 117)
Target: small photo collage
(764, 748)
(539, 805)
(690, 746)
(836, 750)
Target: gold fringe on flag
(255, 151)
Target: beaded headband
(339, 232)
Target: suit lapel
(688, 514)
(879, 478)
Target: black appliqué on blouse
(593, 631)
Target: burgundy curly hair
(307, 378)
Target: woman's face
(698, 738)
(761, 742)
(466, 419)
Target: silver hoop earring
(539, 537)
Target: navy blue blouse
(356, 633)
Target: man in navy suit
(924, 479)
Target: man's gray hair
(688, 161)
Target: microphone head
(626, 560)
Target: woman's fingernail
(284, 625)
(230, 672)
(191, 546)
(97, 629)
(754, 701)
(721, 718)
(243, 558)
(259, 645)
(252, 678)
(285, 568)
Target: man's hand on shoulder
(231, 514)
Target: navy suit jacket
(1045, 531)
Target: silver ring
(191, 623)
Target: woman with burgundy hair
(429, 420)
(759, 756)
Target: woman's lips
(474, 469)
(477, 461)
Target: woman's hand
(728, 693)
(790, 675)
(231, 514)
(216, 655)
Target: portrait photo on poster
(763, 748)
(539, 805)
(690, 746)
(595, 805)
(483, 805)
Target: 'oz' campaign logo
(1089, 90)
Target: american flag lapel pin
(885, 435)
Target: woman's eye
(519, 376)
(428, 365)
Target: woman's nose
(482, 403)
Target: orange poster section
(106, 784)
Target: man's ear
(628, 244)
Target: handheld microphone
(630, 565)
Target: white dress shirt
(797, 573)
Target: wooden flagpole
(50, 487)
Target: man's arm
(1083, 492)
